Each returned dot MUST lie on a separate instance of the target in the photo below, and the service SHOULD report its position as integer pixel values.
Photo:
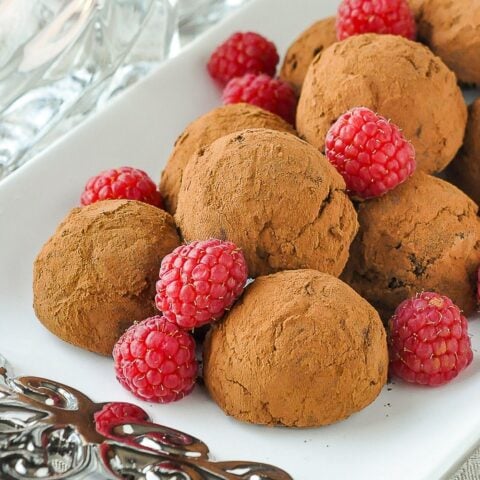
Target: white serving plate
(408, 433)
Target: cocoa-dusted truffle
(203, 131)
(300, 349)
(464, 171)
(451, 29)
(96, 275)
(416, 6)
(303, 50)
(424, 235)
(273, 195)
(397, 78)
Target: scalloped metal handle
(47, 430)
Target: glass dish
(60, 60)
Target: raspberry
(429, 342)
(355, 17)
(199, 281)
(122, 183)
(114, 412)
(371, 154)
(155, 360)
(271, 94)
(240, 54)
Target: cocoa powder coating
(300, 349)
(96, 275)
(273, 195)
(452, 30)
(416, 7)
(203, 131)
(399, 79)
(305, 48)
(464, 171)
(424, 235)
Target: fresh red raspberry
(429, 342)
(371, 154)
(243, 53)
(395, 17)
(199, 281)
(155, 360)
(121, 183)
(271, 94)
(116, 411)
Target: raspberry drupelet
(199, 281)
(428, 340)
(370, 153)
(155, 360)
(124, 183)
(394, 17)
(243, 53)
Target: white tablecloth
(471, 470)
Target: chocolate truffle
(424, 235)
(303, 50)
(96, 275)
(273, 195)
(416, 7)
(451, 29)
(300, 349)
(203, 131)
(397, 78)
(464, 171)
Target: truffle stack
(424, 235)
(285, 206)
(323, 269)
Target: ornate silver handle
(47, 430)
